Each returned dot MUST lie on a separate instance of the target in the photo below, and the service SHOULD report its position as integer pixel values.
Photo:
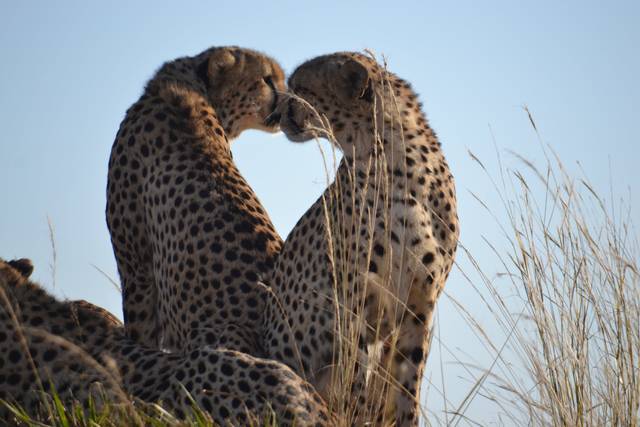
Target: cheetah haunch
(190, 237)
(358, 278)
(74, 345)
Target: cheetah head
(243, 85)
(340, 88)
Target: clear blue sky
(69, 70)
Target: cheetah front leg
(411, 350)
(380, 315)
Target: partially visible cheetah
(190, 237)
(377, 246)
(33, 360)
(69, 341)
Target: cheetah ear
(214, 68)
(354, 81)
(23, 265)
(220, 62)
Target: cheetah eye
(269, 81)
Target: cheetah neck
(406, 181)
(404, 155)
(389, 186)
(388, 195)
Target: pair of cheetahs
(343, 307)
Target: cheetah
(359, 275)
(190, 237)
(34, 361)
(75, 344)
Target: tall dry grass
(566, 348)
